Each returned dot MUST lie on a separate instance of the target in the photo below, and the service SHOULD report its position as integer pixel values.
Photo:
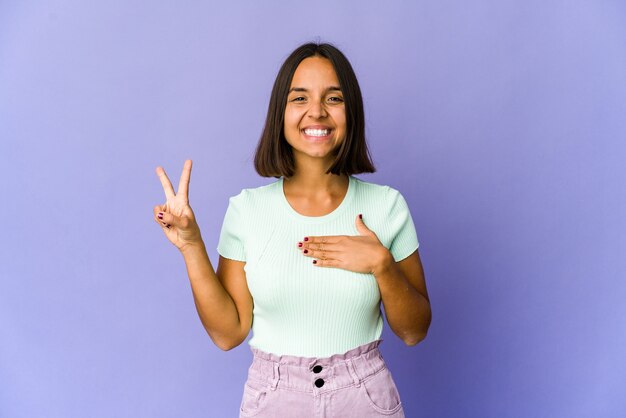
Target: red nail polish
(306, 238)
(360, 216)
(299, 244)
(160, 215)
(314, 261)
(306, 251)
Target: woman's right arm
(222, 298)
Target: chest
(278, 273)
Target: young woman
(306, 260)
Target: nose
(317, 110)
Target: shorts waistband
(317, 375)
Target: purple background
(502, 122)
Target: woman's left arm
(404, 296)
(401, 284)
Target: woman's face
(315, 115)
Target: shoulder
(385, 195)
(254, 196)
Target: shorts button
(317, 369)
(319, 383)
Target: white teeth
(317, 132)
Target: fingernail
(306, 238)
(360, 216)
(306, 251)
(160, 215)
(314, 261)
(299, 244)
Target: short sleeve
(231, 242)
(404, 238)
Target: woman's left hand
(362, 253)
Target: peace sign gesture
(175, 216)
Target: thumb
(361, 227)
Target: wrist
(384, 264)
(192, 247)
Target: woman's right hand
(175, 216)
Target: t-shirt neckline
(316, 219)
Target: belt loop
(276, 376)
(352, 372)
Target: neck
(311, 178)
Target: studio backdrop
(501, 122)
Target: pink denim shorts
(354, 384)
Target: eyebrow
(331, 88)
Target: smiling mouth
(317, 133)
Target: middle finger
(318, 246)
(165, 182)
(323, 254)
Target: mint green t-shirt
(301, 309)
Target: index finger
(183, 184)
(165, 182)
(326, 239)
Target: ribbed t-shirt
(301, 309)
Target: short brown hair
(274, 155)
